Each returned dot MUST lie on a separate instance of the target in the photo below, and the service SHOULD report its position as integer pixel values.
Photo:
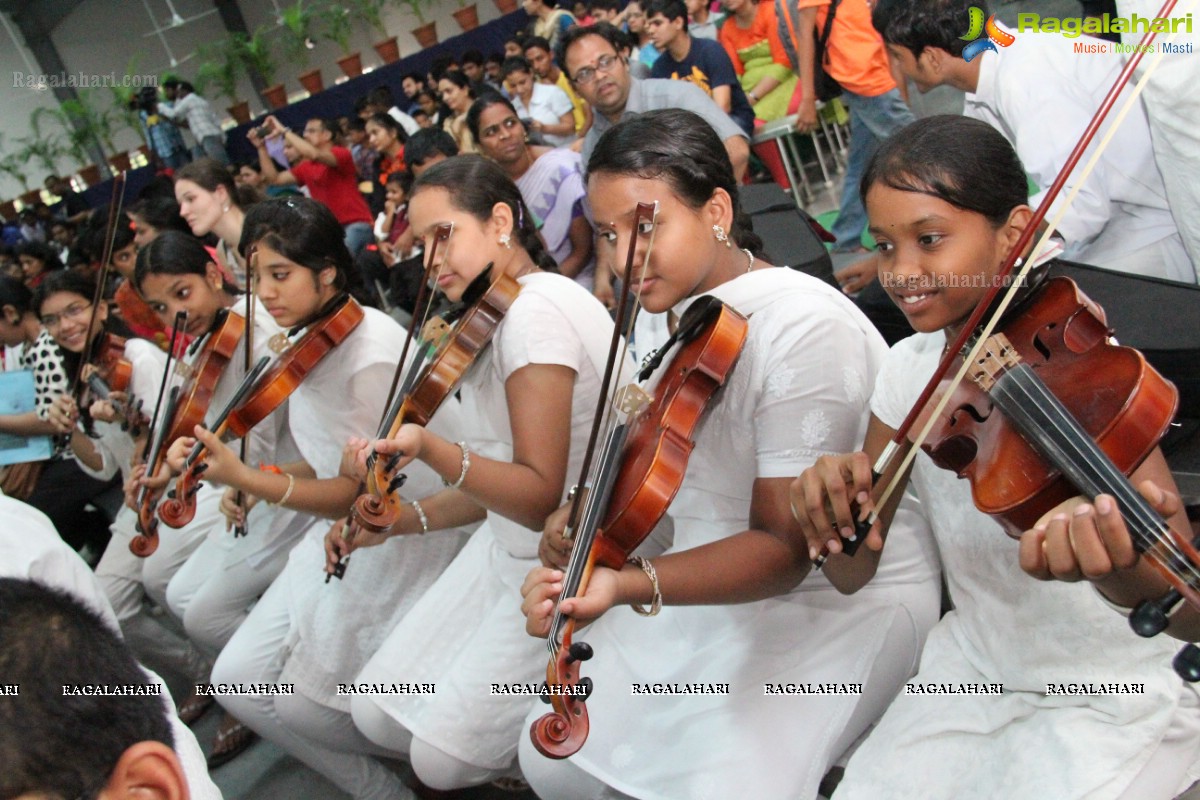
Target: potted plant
(257, 57)
(506, 6)
(299, 27)
(222, 66)
(43, 151)
(426, 32)
(467, 15)
(14, 167)
(97, 124)
(338, 25)
(370, 13)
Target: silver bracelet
(656, 601)
(420, 515)
(466, 465)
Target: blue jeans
(358, 236)
(872, 119)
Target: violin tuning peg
(579, 651)
(586, 685)
(545, 698)
(171, 494)
(1151, 617)
(397, 482)
(201, 469)
(1187, 663)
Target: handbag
(825, 87)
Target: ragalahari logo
(995, 35)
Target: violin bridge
(995, 358)
(632, 399)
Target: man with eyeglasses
(591, 58)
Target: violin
(258, 396)
(113, 373)
(186, 409)
(488, 300)
(629, 501)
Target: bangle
(656, 601)
(291, 485)
(752, 97)
(420, 516)
(466, 465)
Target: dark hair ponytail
(175, 253)
(679, 148)
(963, 161)
(475, 185)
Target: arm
(738, 149)
(580, 234)
(806, 55)
(270, 171)
(723, 96)
(27, 424)
(529, 488)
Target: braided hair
(475, 184)
(681, 149)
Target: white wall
(102, 36)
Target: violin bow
(900, 445)
(110, 237)
(243, 527)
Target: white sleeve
(558, 102)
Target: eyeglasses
(73, 311)
(605, 64)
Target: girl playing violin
(531, 394)
(947, 202)
(101, 438)
(734, 612)
(302, 272)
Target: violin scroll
(562, 732)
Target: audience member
(457, 95)
(549, 22)
(703, 22)
(546, 111)
(185, 107)
(751, 38)
(540, 56)
(427, 147)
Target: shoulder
(674, 92)
(343, 156)
(554, 305)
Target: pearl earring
(721, 236)
(506, 241)
(225, 208)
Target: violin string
(1010, 293)
(1150, 528)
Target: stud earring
(225, 209)
(329, 281)
(506, 241)
(721, 236)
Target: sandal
(194, 707)
(230, 742)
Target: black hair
(66, 746)
(171, 83)
(402, 178)
(331, 125)
(208, 174)
(441, 66)
(460, 80)
(92, 238)
(427, 142)
(540, 42)
(515, 64)
(187, 87)
(160, 212)
(679, 148)
(356, 124)
(74, 282)
(382, 96)
(254, 165)
(475, 184)
(963, 161)
(176, 253)
(43, 252)
(16, 294)
(361, 104)
(416, 76)
(606, 5)
(917, 24)
(670, 9)
(472, 56)
(494, 58)
(604, 30)
(389, 122)
(304, 231)
(486, 101)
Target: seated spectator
(515, 45)
(639, 32)
(365, 157)
(423, 120)
(549, 22)
(410, 84)
(427, 147)
(381, 101)
(699, 61)
(62, 238)
(428, 103)
(326, 169)
(457, 95)
(250, 176)
(550, 180)
(583, 14)
(545, 110)
(71, 206)
(98, 744)
(606, 11)
(37, 259)
(491, 69)
(751, 38)
(703, 22)
(386, 139)
(472, 67)
(540, 56)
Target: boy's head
(924, 37)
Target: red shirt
(336, 187)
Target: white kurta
(1041, 95)
(1008, 628)
(799, 391)
(31, 548)
(467, 632)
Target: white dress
(467, 632)
(1008, 628)
(798, 391)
